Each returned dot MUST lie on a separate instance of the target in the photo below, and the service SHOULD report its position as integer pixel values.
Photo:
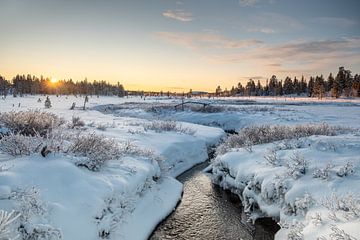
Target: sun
(53, 80)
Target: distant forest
(343, 84)
(21, 85)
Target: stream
(208, 212)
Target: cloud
(291, 58)
(179, 15)
(312, 49)
(246, 3)
(274, 65)
(335, 21)
(206, 40)
(261, 29)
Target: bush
(162, 126)
(271, 133)
(31, 122)
(167, 126)
(19, 145)
(346, 170)
(297, 165)
(40, 232)
(323, 173)
(76, 122)
(97, 149)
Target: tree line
(21, 85)
(343, 84)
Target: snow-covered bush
(116, 206)
(295, 232)
(76, 122)
(339, 234)
(101, 127)
(297, 165)
(6, 221)
(40, 232)
(32, 209)
(271, 157)
(167, 126)
(346, 170)
(96, 148)
(29, 203)
(323, 173)
(31, 122)
(19, 145)
(348, 206)
(271, 133)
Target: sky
(177, 45)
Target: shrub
(271, 157)
(346, 170)
(347, 205)
(297, 165)
(40, 232)
(19, 145)
(323, 173)
(97, 149)
(167, 126)
(271, 133)
(31, 122)
(76, 122)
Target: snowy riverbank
(125, 199)
(310, 185)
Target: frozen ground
(236, 113)
(310, 185)
(126, 198)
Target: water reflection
(208, 212)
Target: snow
(124, 198)
(278, 194)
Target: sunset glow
(177, 45)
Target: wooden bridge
(183, 103)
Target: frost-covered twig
(6, 219)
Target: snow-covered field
(310, 183)
(125, 199)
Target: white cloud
(246, 3)
(179, 15)
(261, 29)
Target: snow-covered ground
(308, 182)
(126, 199)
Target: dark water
(208, 212)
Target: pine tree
(330, 83)
(311, 87)
(47, 102)
(319, 87)
(288, 86)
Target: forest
(21, 85)
(343, 84)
